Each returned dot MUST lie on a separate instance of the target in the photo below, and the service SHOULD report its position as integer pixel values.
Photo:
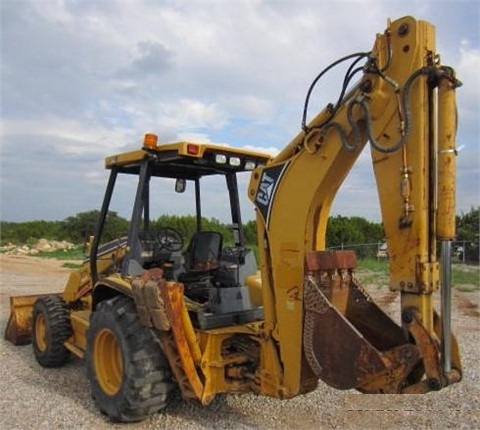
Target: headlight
(249, 165)
(234, 161)
(220, 158)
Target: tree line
(77, 228)
(341, 231)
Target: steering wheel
(169, 239)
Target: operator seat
(202, 264)
(204, 251)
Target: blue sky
(81, 80)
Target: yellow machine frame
(318, 321)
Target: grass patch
(63, 254)
(467, 288)
(373, 265)
(371, 271)
(464, 278)
(72, 265)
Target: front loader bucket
(348, 341)
(19, 325)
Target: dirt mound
(42, 245)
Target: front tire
(50, 329)
(128, 373)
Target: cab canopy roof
(187, 160)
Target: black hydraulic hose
(349, 147)
(351, 72)
(358, 56)
(404, 101)
(433, 72)
(363, 103)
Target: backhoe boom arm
(394, 107)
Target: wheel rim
(41, 332)
(108, 362)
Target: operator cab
(212, 269)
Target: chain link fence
(365, 250)
(466, 252)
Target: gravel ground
(37, 398)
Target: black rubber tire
(142, 381)
(50, 329)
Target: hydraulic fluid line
(433, 73)
(362, 100)
(350, 73)
(403, 111)
(348, 77)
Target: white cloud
(82, 137)
(81, 80)
(56, 12)
(195, 137)
(191, 114)
(271, 150)
(249, 106)
(468, 72)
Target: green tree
(372, 232)
(342, 231)
(76, 228)
(23, 232)
(350, 232)
(186, 225)
(250, 232)
(468, 227)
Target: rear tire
(50, 329)
(128, 373)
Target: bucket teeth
(349, 342)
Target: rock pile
(42, 245)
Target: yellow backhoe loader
(149, 313)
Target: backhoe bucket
(19, 326)
(360, 347)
